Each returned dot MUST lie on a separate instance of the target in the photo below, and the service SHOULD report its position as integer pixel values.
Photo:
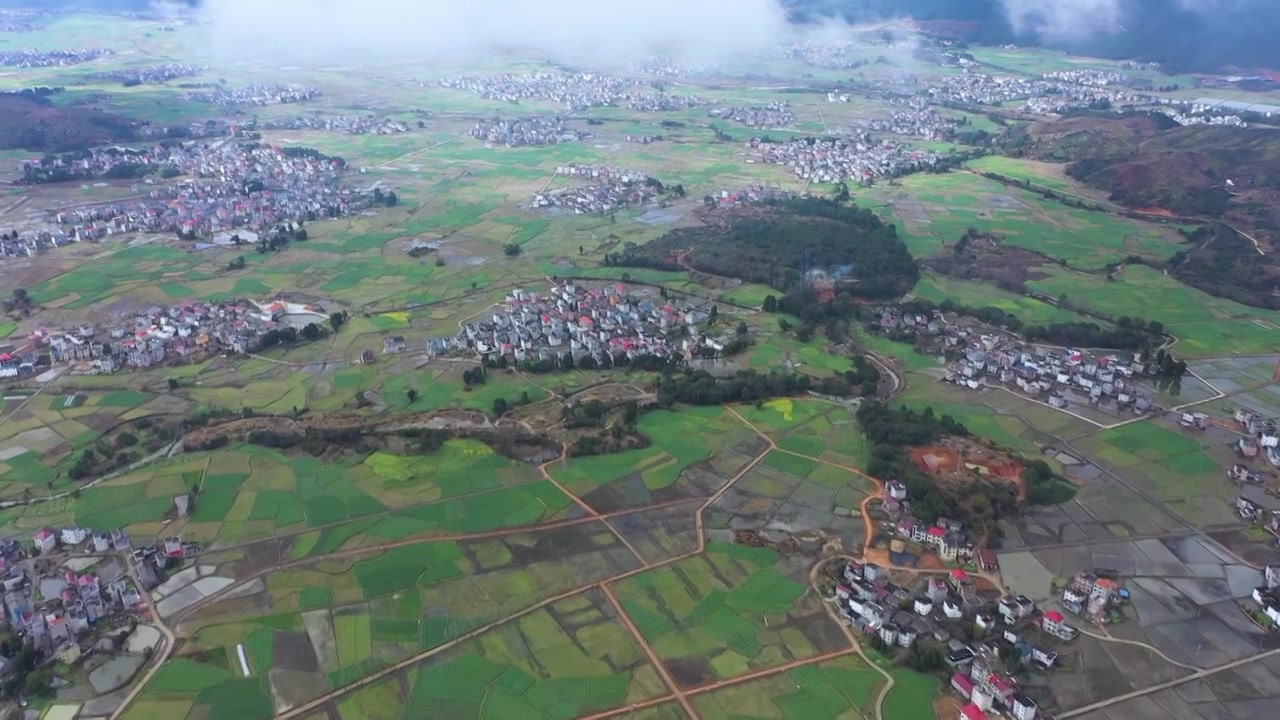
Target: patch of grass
(183, 675)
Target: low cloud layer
(1064, 19)
(1079, 19)
(348, 32)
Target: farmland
(469, 559)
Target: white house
(74, 535)
(1023, 708)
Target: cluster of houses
(349, 124)
(572, 90)
(534, 131)
(237, 185)
(1261, 438)
(14, 244)
(835, 55)
(666, 67)
(1204, 115)
(16, 20)
(49, 58)
(853, 158)
(254, 95)
(1061, 375)
(1267, 598)
(607, 324)
(609, 189)
(901, 618)
(55, 611)
(749, 195)
(1039, 95)
(191, 329)
(913, 118)
(152, 74)
(1093, 597)
(773, 115)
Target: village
(853, 158)
(151, 75)
(348, 124)
(49, 58)
(189, 330)
(228, 186)
(609, 324)
(574, 91)
(611, 189)
(983, 642)
(79, 596)
(254, 95)
(774, 115)
(913, 118)
(536, 131)
(986, 641)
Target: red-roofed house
(972, 712)
(935, 536)
(962, 684)
(958, 576)
(987, 560)
(1053, 623)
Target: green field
(729, 609)
(843, 688)
(356, 550)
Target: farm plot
(1203, 324)
(205, 686)
(725, 613)
(936, 208)
(826, 691)
(459, 467)
(686, 454)
(569, 659)
(1183, 471)
(437, 603)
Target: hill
(1227, 175)
(34, 123)
(1182, 35)
(1151, 162)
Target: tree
(742, 328)
(37, 683)
(511, 249)
(500, 406)
(173, 383)
(714, 314)
(411, 394)
(390, 200)
(770, 304)
(312, 332)
(336, 320)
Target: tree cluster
(698, 387)
(1128, 333)
(472, 377)
(891, 433)
(776, 242)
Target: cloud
(350, 32)
(1065, 19)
